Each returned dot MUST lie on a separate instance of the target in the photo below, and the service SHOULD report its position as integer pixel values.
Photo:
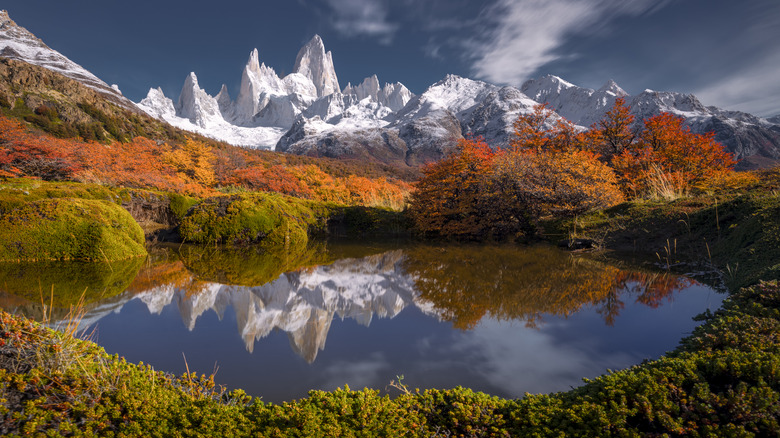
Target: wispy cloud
(357, 374)
(362, 18)
(753, 88)
(524, 35)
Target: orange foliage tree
(45, 158)
(475, 192)
(554, 183)
(614, 133)
(531, 130)
(449, 198)
(668, 156)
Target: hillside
(53, 117)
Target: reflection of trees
(63, 283)
(296, 292)
(650, 289)
(250, 266)
(466, 283)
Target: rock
(578, 244)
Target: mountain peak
(556, 81)
(316, 64)
(191, 81)
(254, 60)
(612, 87)
(316, 41)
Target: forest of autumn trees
(192, 167)
(552, 169)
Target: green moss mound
(16, 192)
(266, 218)
(69, 229)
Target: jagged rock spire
(314, 63)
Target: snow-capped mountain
(316, 64)
(267, 106)
(18, 43)
(420, 131)
(581, 106)
(392, 96)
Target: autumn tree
(26, 154)
(542, 130)
(614, 133)
(531, 185)
(449, 198)
(532, 130)
(193, 161)
(668, 156)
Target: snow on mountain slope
(158, 106)
(581, 106)
(18, 43)
(268, 106)
(493, 118)
(393, 96)
(423, 130)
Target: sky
(725, 52)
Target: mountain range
(307, 112)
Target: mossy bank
(734, 232)
(69, 229)
(90, 222)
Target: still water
(500, 319)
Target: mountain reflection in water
(457, 283)
(301, 303)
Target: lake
(503, 319)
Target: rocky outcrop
(34, 86)
(154, 213)
(314, 63)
